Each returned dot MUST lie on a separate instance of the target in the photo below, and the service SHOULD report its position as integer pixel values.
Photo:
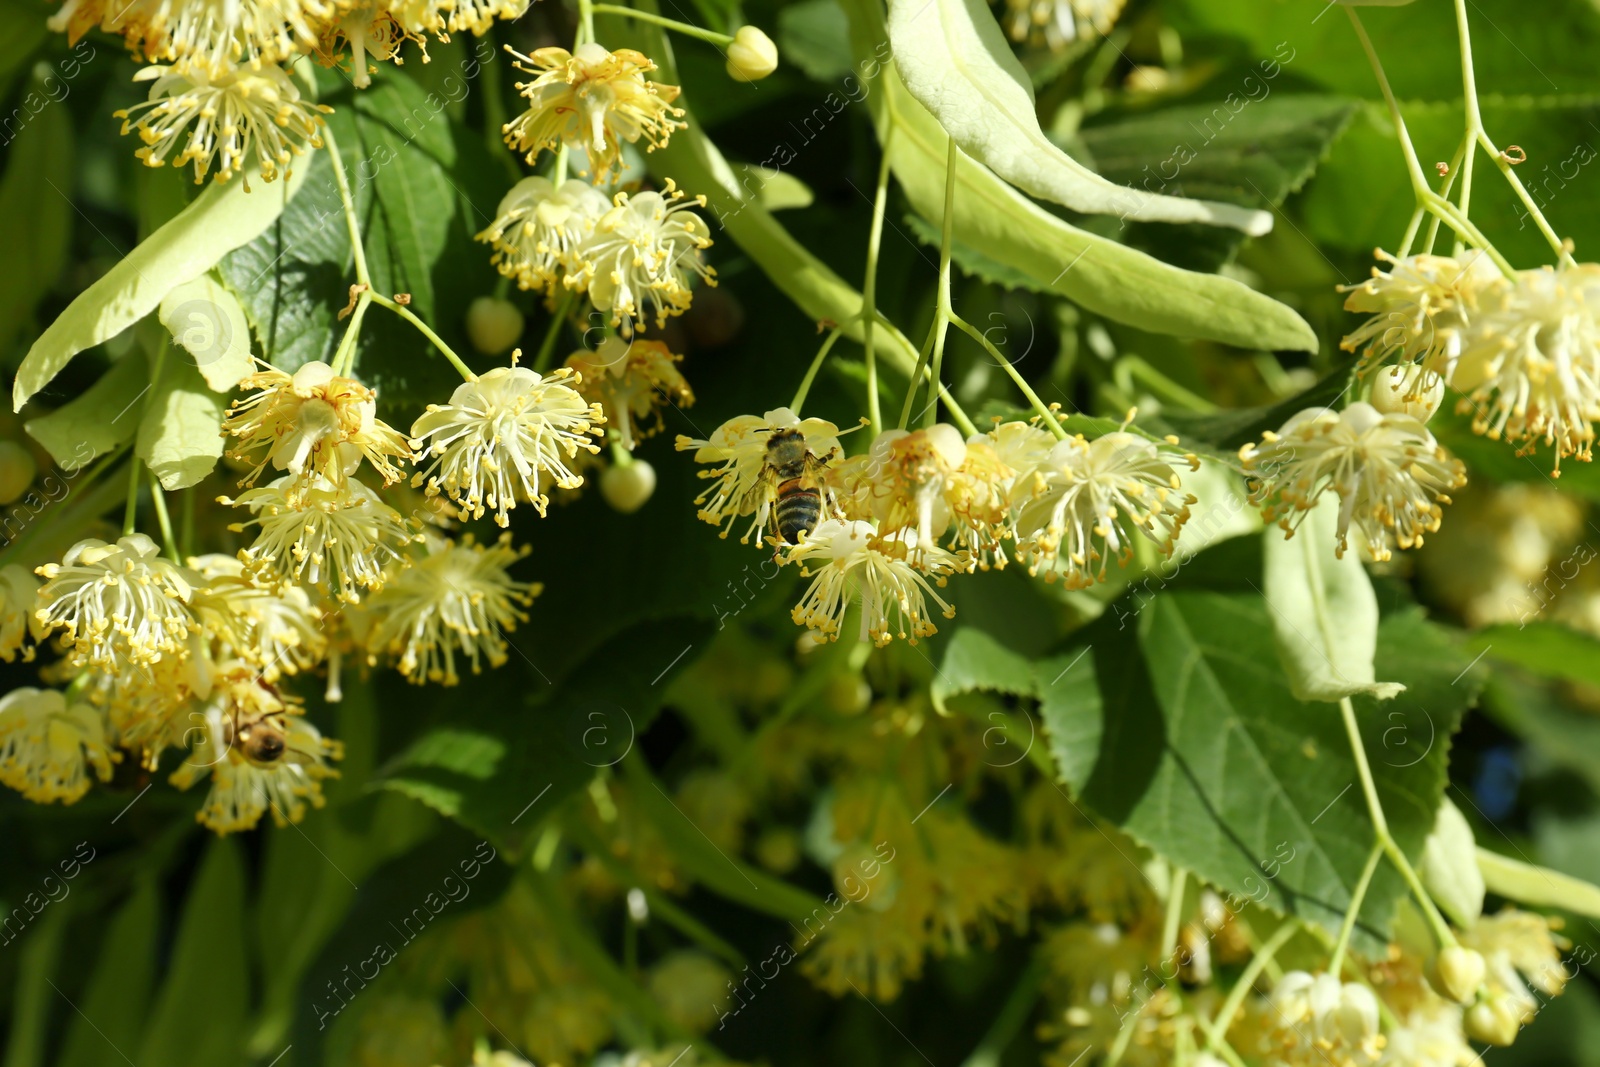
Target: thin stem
(345, 356)
(586, 19)
(426, 331)
(1217, 1031)
(1356, 899)
(1424, 193)
(811, 372)
(1010, 1019)
(349, 203)
(957, 414)
(1411, 232)
(1444, 190)
(547, 347)
(1174, 916)
(1039, 405)
(1475, 131)
(159, 498)
(660, 20)
(130, 510)
(869, 288)
(946, 239)
(1380, 825)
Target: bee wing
(762, 492)
(816, 464)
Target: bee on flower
(457, 599)
(217, 115)
(260, 753)
(851, 562)
(51, 745)
(631, 381)
(1390, 474)
(592, 100)
(753, 453)
(1072, 513)
(313, 424)
(641, 257)
(538, 229)
(507, 434)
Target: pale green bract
(1536, 886)
(1324, 612)
(956, 62)
(219, 220)
(180, 436)
(1098, 274)
(101, 419)
(1449, 866)
(206, 322)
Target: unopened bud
(1405, 390)
(1458, 973)
(847, 694)
(16, 471)
(752, 55)
(493, 325)
(628, 486)
(1494, 1020)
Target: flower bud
(847, 694)
(493, 325)
(1399, 390)
(752, 55)
(16, 471)
(1458, 972)
(1494, 1020)
(627, 487)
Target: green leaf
(207, 323)
(1182, 730)
(1231, 428)
(814, 36)
(1538, 887)
(32, 999)
(1548, 649)
(34, 197)
(1513, 52)
(975, 661)
(180, 436)
(1449, 867)
(219, 220)
(956, 62)
(973, 262)
(101, 419)
(1251, 148)
(1101, 275)
(777, 190)
(1324, 612)
(198, 1017)
(421, 188)
(117, 998)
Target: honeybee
(261, 737)
(789, 481)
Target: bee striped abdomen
(798, 509)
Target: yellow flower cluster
(886, 528)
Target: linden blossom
(412, 925)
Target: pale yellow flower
(49, 746)
(117, 604)
(339, 540)
(458, 599)
(1056, 23)
(1390, 474)
(1421, 309)
(219, 116)
(312, 424)
(1073, 512)
(275, 626)
(19, 591)
(632, 381)
(852, 562)
(592, 100)
(538, 228)
(509, 432)
(638, 262)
